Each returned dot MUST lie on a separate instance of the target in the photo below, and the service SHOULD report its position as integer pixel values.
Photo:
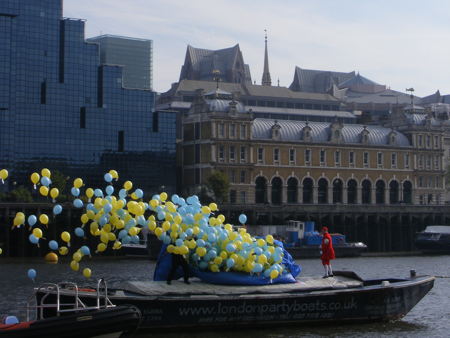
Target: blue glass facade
(61, 109)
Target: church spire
(266, 81)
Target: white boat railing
(69, 290)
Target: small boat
(344, 298)
(434, 239)
(304, 242)
(71, 317)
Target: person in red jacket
(327, 252)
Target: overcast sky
(399, 43)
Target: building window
(221, 153)
(232, 196)
(428, 141)
(276, 155)
(366, 159)
(243, 199)
(436, 162)
(243, 154)
(437, 182)
(420, 161)
(380, 160)
(121, 141)
(291, 156)
(260, 155)
(197, 153)
(197, 130)
(337, 157)
(243, 176)
(232, 176)
(197, 175)
(232, 154)
(420, 183)
(155, 124)
(232, 130)
(420, 140)
(322, 157)
(243, 131)
(394, 160)
(307, 156)
(406, 161)
(44, 92)
(221, 130)
(82, 117)
(436, 141)
(351, 158)
(428, 161)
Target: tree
(21, 194)
(220, 185)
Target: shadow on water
(391, 329)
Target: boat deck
(304, 284)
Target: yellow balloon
(101, 247)
(166, 226)
(77, 256)
(78, 183)
(132, 231)
(261, 242)
(87, 272)
(63, 250)
(45, 172)
(3, 174)
(37, 233)
(128, 185)
(218, 260)
(35, 178)
(114, 174)
(74, 265)
(111, 236)
(269, 239)
(84, 218)
(158, 232)
(104, 237)
(214, 268)
(183, 249)
(120, 224)
(43, 219)
(262, 259)
(54, 193)
(65, 236)
(274, 274)
(43, 190)
(200, 251)
(117, 245)
(134, 196)
(89, 192)
(51, 257)
(154, 203)
(206, 210)
(163, 196)
(213, 206)
(1, 251)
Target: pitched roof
(320, 132)
(318, 81)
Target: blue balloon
(85, 250)
(103, 220)
(33, 239)
(77, 203)
(53, 245)
(122, 193)
(79, 232)
(175, 198)
(11, 320)
(107, 208)
(57, 209)
(189, 232)
(161, 215)
(181, 201)
(135, 239)
(201, 243)
(242, 218)
(230, 247)
(230, 263)
(32, 220)
(126, 240)
(156, 197)
(32, 274)
(98, 193)
(203, 265)
(212, 238)
(45, 181)
(139, 193)
(179, 242)
(257, 268)
(108, 177)
(166, 239)
(75, 191)
(122, 233)
(109, 190)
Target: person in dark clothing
(178, 260)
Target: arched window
(292, 189)
(322, 191)
(351, 192)
(260, 190)
(366, 192)
(393, 192)
(307, 190)
(407, 192)
(379, 186)
(337, 191)
(277, 189)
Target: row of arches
(337, 190)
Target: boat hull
(375, 301)
(314, 251)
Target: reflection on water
(429, 318)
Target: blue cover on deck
(164, 264)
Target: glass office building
(135, 55)
(62, 109)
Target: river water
(430, 318)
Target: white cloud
(401, 43)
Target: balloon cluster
(189, 228)
(186, 226)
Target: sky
(401, 44)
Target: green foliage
(218, 182)
(21, 194)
